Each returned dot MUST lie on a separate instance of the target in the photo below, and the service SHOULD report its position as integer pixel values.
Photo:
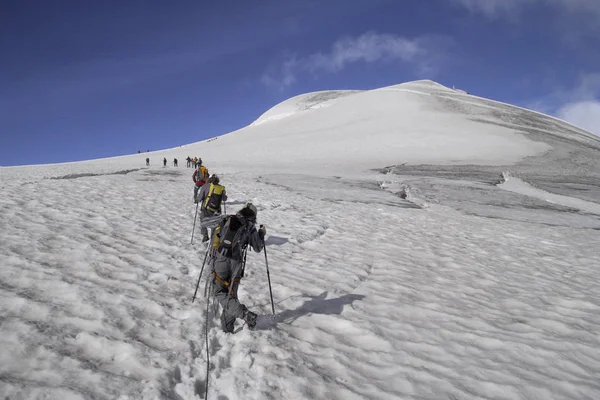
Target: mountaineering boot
(204, 238)
(227, 323)
(250, 319)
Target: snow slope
(370, 129)
(303, 102)
(403, 265)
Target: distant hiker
(164, 161)
(198, 162)
(147, 162)
(189, 162)
(230, 240)
(199, 177)
(174, 162)
(211, 196)
(195, 162)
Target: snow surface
(303, 102)
(518, 186)
(403, 264)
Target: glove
(262, 232)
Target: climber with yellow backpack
(211, 197)
(200, 177)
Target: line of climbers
(195, 162)
(164, 162)
(190, 162)
(231, 235)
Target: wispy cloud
(589, 86)
(494, 8)
(282, 75)
(579, 105)
(585, 114)
(582, 107)
(422, 53)
(501, 8)
(573, 19)
(369, 48)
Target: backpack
(201, 175)
(204, 172)
(214, 198)
(227, 237)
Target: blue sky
(89, 79)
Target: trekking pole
(207, 350)
(194, 228)
(269, 279)
(208, 284)
(244, 263)
(200, 276)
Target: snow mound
(301, 103)
(346, 133)
(424, 86)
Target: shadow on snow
(314, 305)
(276, 241)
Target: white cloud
(591, 6)
(499, 8)
(369, 47)
(581, 105)
(423, 54)
(589, 86)
(585, 114)
(494, 8)
(282, 76)
(577, 21)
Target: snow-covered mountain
(423, 243)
